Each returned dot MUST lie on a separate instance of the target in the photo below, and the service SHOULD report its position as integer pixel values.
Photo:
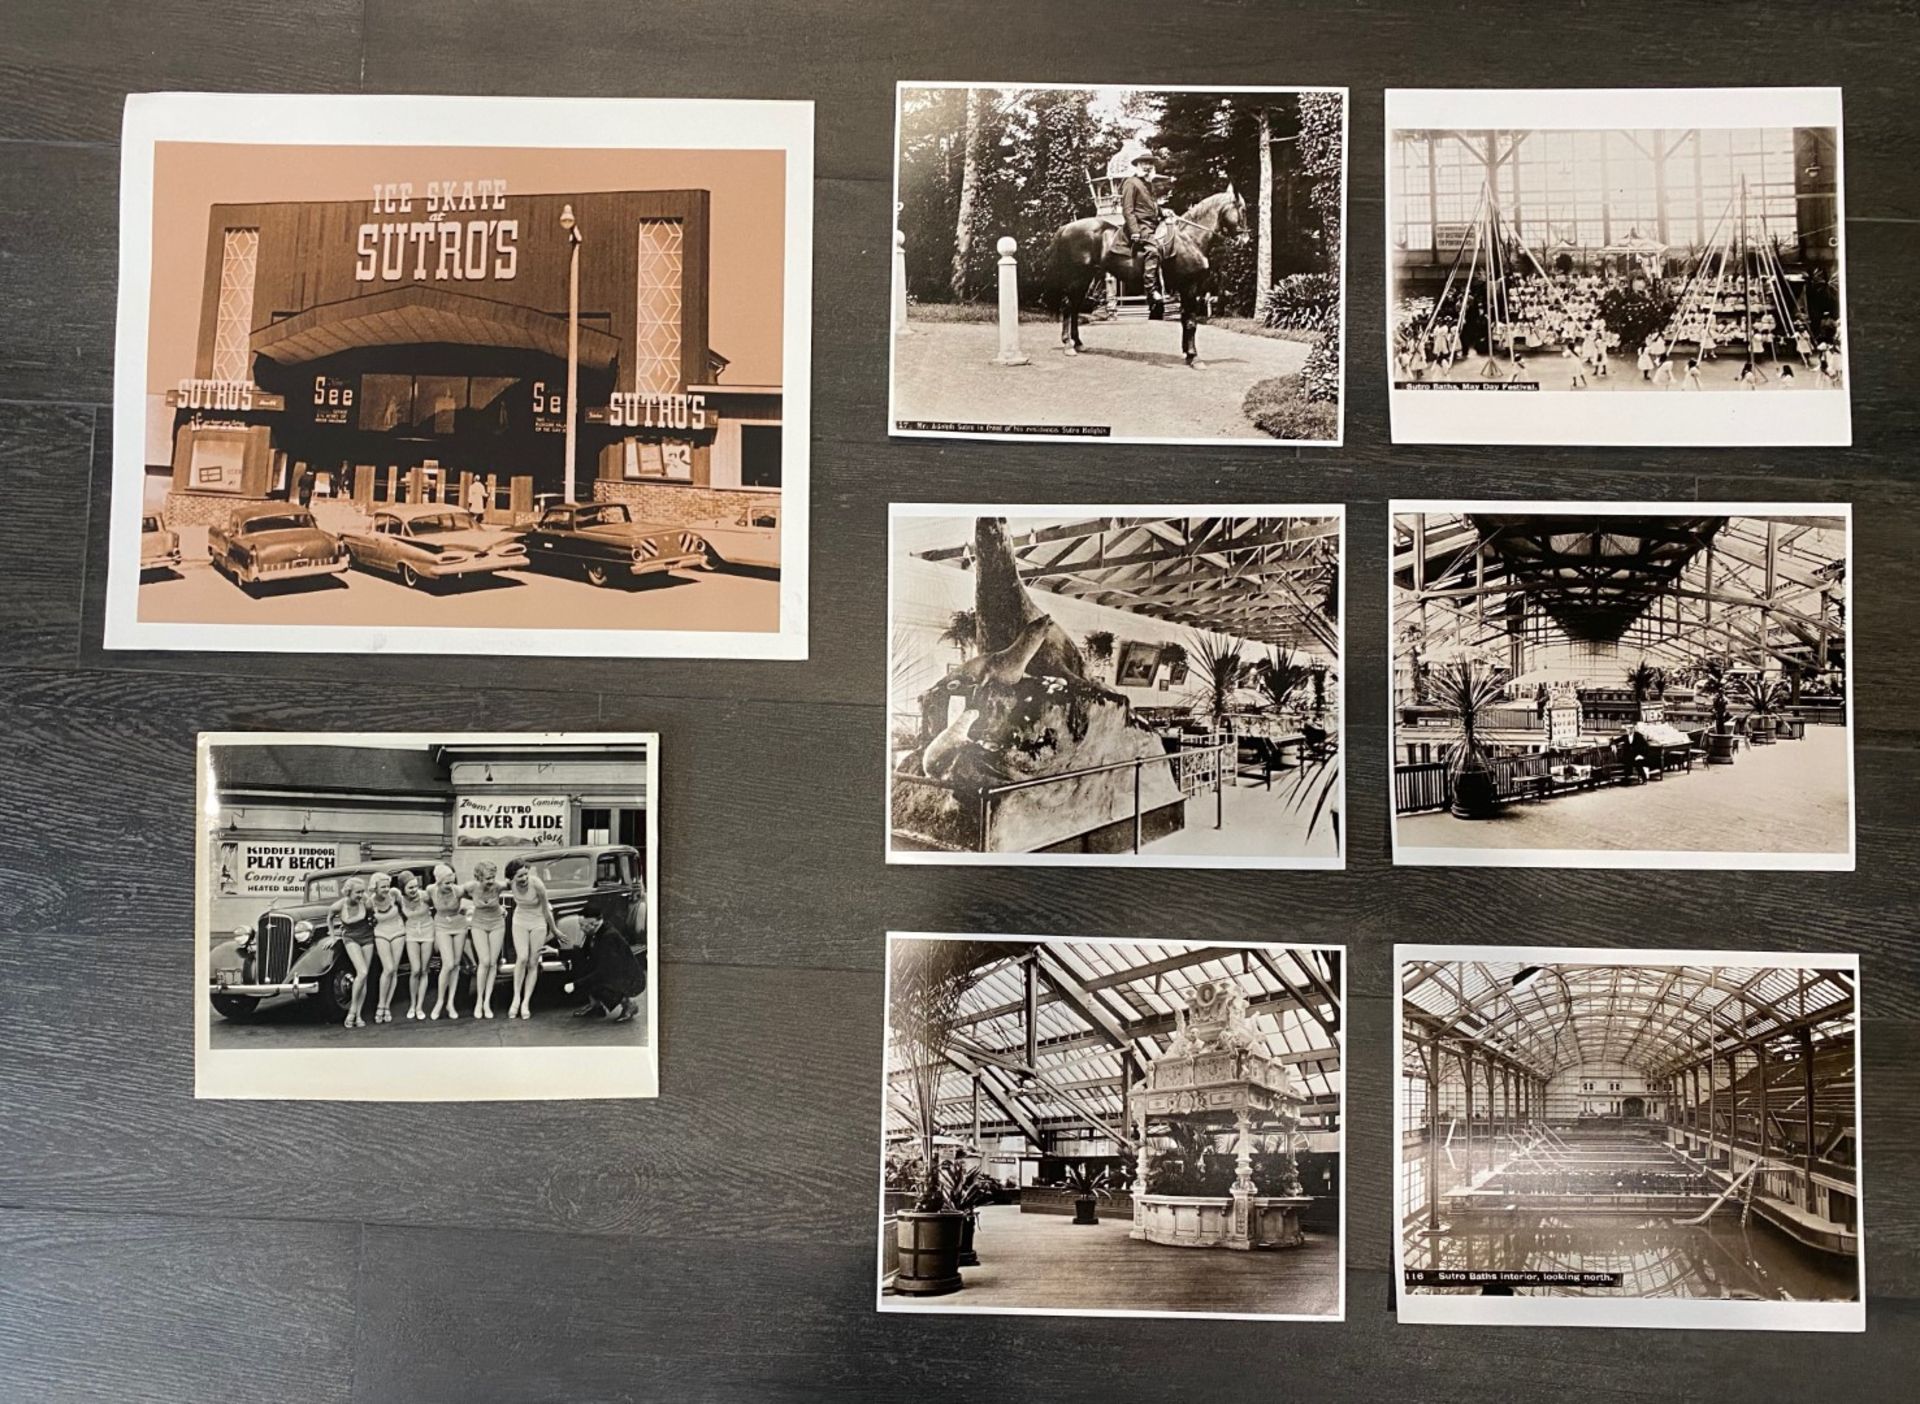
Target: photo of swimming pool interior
(1621, 1130)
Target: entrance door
(1633, 1108)
(613, 824)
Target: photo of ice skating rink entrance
(1116, 685)
(1029, 220)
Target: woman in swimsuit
(351, 919)
(489, 934)
(419, 936)
(449, 935)
(533, 923)
(389, 937)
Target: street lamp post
(568, 223)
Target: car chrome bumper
(299, 572)
(296, 987)
(434, 570)
(685, 561)
(168, 560)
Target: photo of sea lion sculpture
(1024, 708)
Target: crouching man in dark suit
(601, 960)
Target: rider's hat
(1143, 157)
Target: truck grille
(273, 948)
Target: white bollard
(1009, 307)
(900, 327)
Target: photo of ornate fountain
(1216, 1073)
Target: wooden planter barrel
(929, 1254)
(1720, 746)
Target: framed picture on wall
(501, 388)
(1137, 665)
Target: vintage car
(159, 548)
(422, 543)
(273, 542)
(287, 953)
(748, 536)
(601, 541)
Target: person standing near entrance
(1140, 216)
(419, 932)
(477, 498)
(489, 934)
(389, 935)
(449, 935)
(351, 920)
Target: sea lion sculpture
(1008, 665)
(1003, 608)
(944, 751)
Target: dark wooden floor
(717, 1243)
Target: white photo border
(1722, 418)
(881, 1302)
(456, 1074)
(1336, 863)
(1675, 1313)
(355, 120)
(1405, 855)
(1041, 436)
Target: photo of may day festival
(1706, 259)
(1651, 681)
(1154, 689)
(1078, 1125)
(1122, 239)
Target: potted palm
(963, 1189)
(1712, 683)
(1218, 669)
(1089, 1186)
(1763, 698)
(1649, 684)
(1467, 691)
(926, 984)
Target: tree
(969, 192)
(1218, 668)
(929, 979)
(1264, 266)
(963, 632)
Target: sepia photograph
(1100, 685)
(1616, 267)
(1625, 685)
(1081, 1127)
(1629, 1138)
(1143, 265)
(538, 391)
(393, 917)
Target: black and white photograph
(1624, 685)
(538, 386)
(1617, 267)
(1628, 1138)
(1143, 265)
(1116, 685)
(1091, 1127)
(398, 917)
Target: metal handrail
(992, 792)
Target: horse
(1082, 252)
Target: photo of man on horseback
(1185, 244)
(1139, 234)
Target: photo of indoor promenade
(1079, 1126)
(1619, 684)
(1623, 1128)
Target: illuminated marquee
(441, 246)
(225, 395)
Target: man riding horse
(1139, 232)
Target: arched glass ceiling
(1096, 1002)
(1646, 1017)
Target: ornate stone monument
(1215, 1071)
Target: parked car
(424, 543)
(749, 536)
(287, 953)
(159, 548)
(273, 542)
(601, 541)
